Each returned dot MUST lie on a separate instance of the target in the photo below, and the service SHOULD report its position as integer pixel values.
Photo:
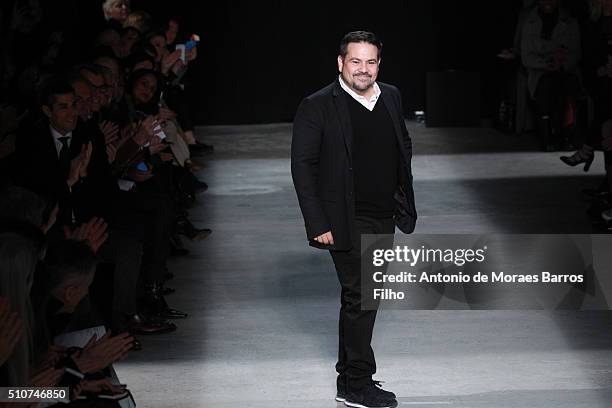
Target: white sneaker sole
(340, 399)
(356, 405)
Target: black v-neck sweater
(375, 159)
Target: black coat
(39, 168)
(321, 165)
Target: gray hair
(108, 4)
(21, 205)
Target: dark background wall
(258, 59)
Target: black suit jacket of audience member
(321, 165)
(39, 167)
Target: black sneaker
(341, 389)
(371, 396)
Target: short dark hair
(359, 37)
(155, 33)
(52, 88)
(137, 57)
(140, 73)
(73, 76)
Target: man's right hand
(326, 238)
(78, 165)
(99, 354)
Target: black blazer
(39, 169)
(321, 165)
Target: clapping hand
(169, 60)
(78, 165)
(111, 152)
(97, 387)
(165, 114)
(47, 377)
(99, 354)
(156, 145)
(93, 232)
(178, 66)
(145, 130)
(54, 354)
(110, 131)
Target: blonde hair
(140, 20)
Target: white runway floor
(262, 330)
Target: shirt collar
(57, 135)
(358, 97)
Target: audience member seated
(116, 12)
(597, 74)
(550, 51)
(140, 20)
(130, 36)
(92, 196)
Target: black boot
(583, 155)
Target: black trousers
(151, 218)
(356, 363)
(554, 88)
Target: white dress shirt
(369, 104)
(56, 138)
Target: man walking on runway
(351, 167)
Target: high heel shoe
(577, 158)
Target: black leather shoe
(169, 313)
(155, 304)
(199, 234)
(199, 187)
(177, 247)
(186, 228)
(201, 148)
(138, 324)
